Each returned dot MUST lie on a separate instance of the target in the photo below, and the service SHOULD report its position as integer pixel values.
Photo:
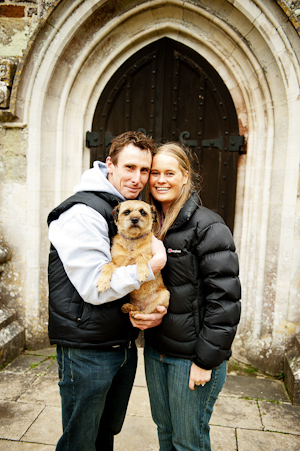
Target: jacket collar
(189, 208)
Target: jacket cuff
(201, 364)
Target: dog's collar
(137, 238)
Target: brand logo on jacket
(173, 251)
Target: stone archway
(74, 56)
(170, 92)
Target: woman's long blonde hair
(183, 156)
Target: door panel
(170, 92)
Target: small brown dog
(131, 245)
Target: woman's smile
(166, 180)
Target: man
(95, 341)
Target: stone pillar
(12, 333)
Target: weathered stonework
(63, 66)
(13, 151)
(12, 332)
(19, 24)
(292, 371)
(7, 72)
(292, 10)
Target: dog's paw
(134, 313)
(103, 285)
(126, 308)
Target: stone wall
(20, 22)
(292, 10)
(53, 73)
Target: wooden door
(170, 92)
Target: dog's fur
(131, 245)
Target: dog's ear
(154, 213)
(115, 213)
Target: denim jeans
(95, 387)
(181, 415)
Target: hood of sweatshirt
(95, 179)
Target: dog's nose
(134, 220)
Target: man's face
(130, 174)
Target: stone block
(4, 95)
(16, 418)
(292, 373)
(7, 71)
(282, 418)
(12, 341)
(12, 336)
(46, 428)
(266, 441)
(297, 342)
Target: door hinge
(213, 143)
(92, 139)
(183, 138)
(235, 143)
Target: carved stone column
(7, 72)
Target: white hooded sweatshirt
(80, 236)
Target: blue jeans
(181, 415)
(95, 387)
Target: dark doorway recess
(170, 92)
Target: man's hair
(138, 139)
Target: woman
(186, 356)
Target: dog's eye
(126, 212)
(143, 212)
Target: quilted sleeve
(219, 268)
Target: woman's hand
(143, 322)
(198, 376)
(159, 259)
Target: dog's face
(134, 218)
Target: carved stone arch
(83, 44)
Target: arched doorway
(170, 92)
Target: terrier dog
(131, 245)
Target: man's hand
(198, 376)
(143, 322)
(159, 259)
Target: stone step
(6, 317)
(12, 336)
(292, 372)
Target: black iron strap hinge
(234, 143)
(92, 139)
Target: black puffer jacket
(202, 276)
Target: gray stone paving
(251, 413)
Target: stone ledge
(12, 336)
(292, 372)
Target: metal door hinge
(235, 143)
(92, 139)
(213, 143)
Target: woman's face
(166, 180)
